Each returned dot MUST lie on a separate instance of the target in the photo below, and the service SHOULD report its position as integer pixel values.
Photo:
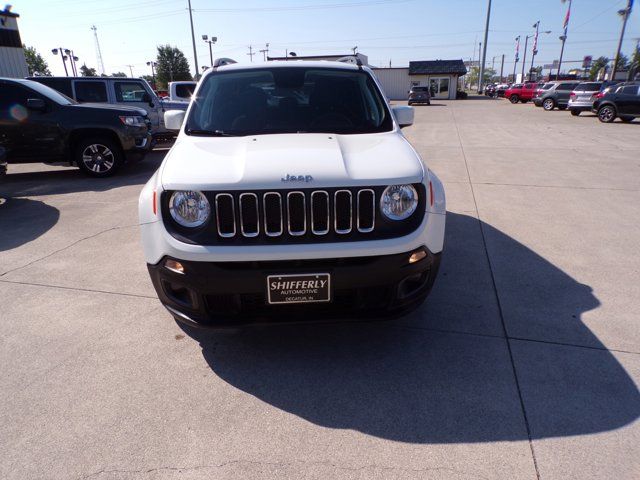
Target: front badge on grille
(297, 178)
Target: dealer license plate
(305, 288)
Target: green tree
(474, 73)
(623, 61)
(171, 65)
(596, 66)
(88, 72)
(35, 62)
(118, 74)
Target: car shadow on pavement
(23, 220)
(71, 180)
(412, 383)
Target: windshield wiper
(211, 133)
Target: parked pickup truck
(181, 91)
(38, 124)
(521, 92)
(131, 92)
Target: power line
(304, 7)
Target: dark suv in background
(622, 100)
(419, 95)
(39, 124)
(554, 94)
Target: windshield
(50, 93)
(588, 87)
(288, 100)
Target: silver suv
(582, 97)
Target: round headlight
(189, 208)
(398, 201)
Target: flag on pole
(566, 18)
(535, 41)
(518, 48)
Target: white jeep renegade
(291, 193)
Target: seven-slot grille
(294, 213)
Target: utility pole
(563, 38)
(479, 57)
(130, 69)
(502, 69)
(484, 53)
(625, 15)
(152, 64)
(265, 52)
(251, 53)
(524, 57)
(193, 41)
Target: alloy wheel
(98, 158)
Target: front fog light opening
(417, 256)
(174, 266)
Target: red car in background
(521, 92)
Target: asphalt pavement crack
(88, 237)
(146, 471)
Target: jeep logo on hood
(297, 178)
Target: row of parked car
(607, 99)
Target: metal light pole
(535, 48)
(484, 53)
(153, 73)
(72, 61)
(515, 63)
(193, 41)
(625, 15)
(479, 57)
(64, 58)
(563, 37)
(502, 69)
(210, 42)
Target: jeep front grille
(268, 217)
(295, 213)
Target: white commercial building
(12, 61)
(441, 75)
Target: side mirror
(173, 119)
(36, 104)
(404, 115)
(147, 99)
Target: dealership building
(441, 75)
(12, 61)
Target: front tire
(98, 156)
(607, 114)
(514, 99)
(575, 113)
(548, 104)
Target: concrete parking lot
(523, 363)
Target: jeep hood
(261, 162)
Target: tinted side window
(90, 91)
(566, 86)
(129, 91)
(185, 91)
(60, 84)
(630, 90)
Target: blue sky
(385, 30)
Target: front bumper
(231, 294)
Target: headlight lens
(188, 208)
(133, 120)
(399, 201)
